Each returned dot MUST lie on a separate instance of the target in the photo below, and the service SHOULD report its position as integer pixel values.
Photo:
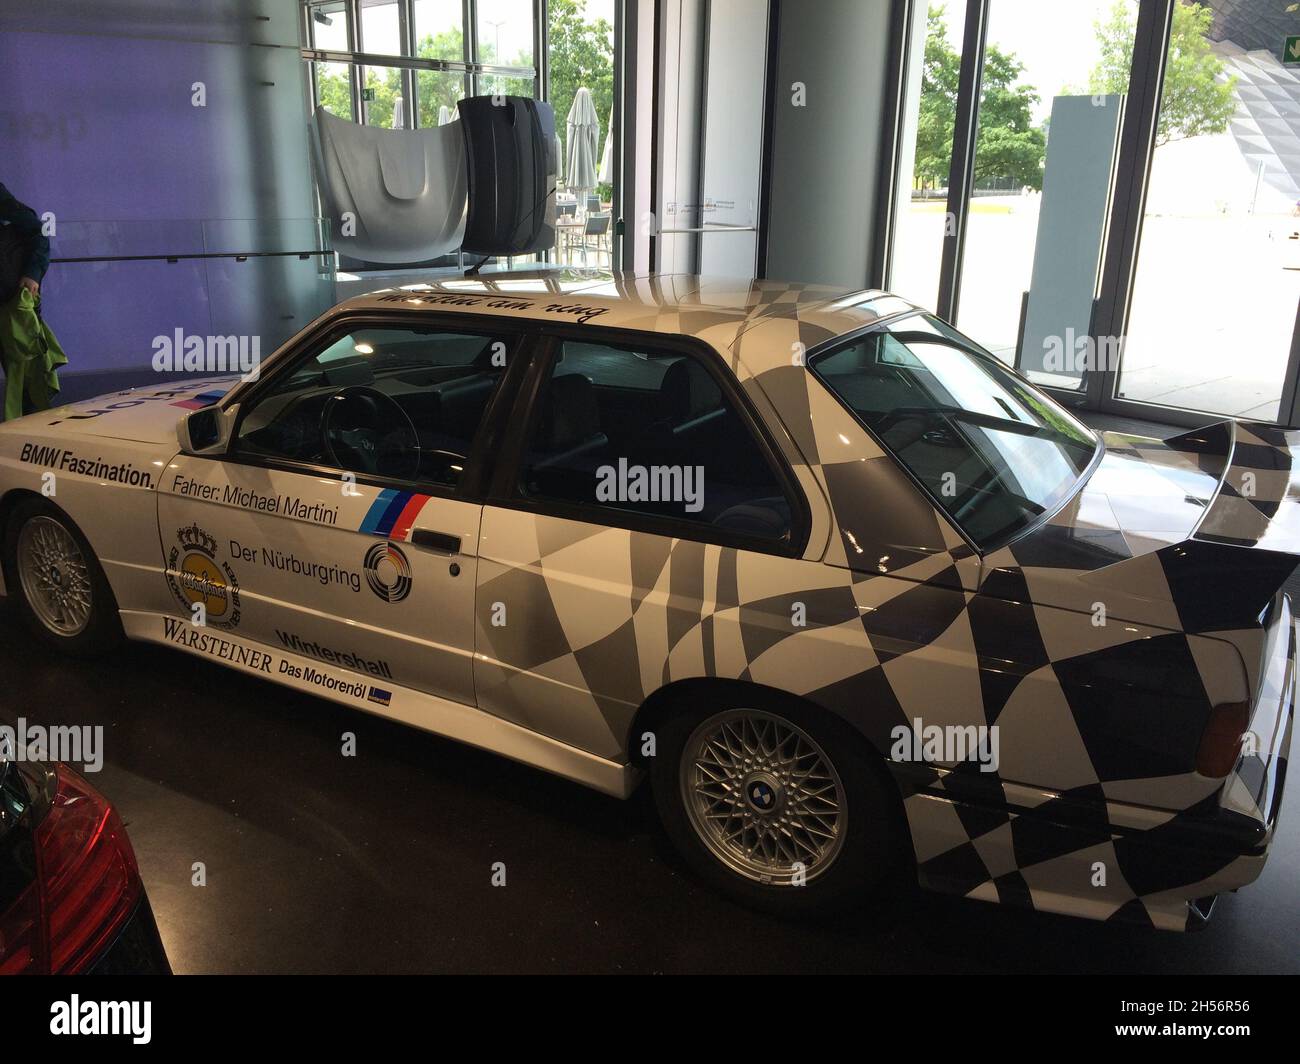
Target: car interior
(391, 402)
(406, 404)
(656, 411)
(878, 378)
(962, 426)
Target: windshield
(992, 451)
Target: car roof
(715, 309)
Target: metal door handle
(423, 537)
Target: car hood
(1194, 533)
(146, 415)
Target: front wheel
(778, 805)
(61, 590)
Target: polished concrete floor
(383, 862)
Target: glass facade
(454, 49)
(449, 63)
(1066, 203)
(1221, 206)
(1028, 83)
(922, 218)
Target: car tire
(698, 813)
(56, 580)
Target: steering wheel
(447, 465)
(904, 413)
(366, 431)
(941, 435)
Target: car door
(340, 525)
(596, 585)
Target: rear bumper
(138, 948)
(1162, 877)
(1251, 798)
(1080, 855)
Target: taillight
(21, 940)
(1221, 741)
(87, 885)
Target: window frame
(470, 487)
(469, 66)
(504, 490)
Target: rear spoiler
(1247, 544)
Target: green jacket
(30, 353)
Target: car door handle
(423, 537)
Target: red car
(71, 899)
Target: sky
(1054, 39)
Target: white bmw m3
(852, 594)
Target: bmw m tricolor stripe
(392, 513)
(201, 400)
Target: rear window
(992, 451)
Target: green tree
(335, 93)
(939, 73)
(582, 54)
(1007, 144)
(386, 84)
(332, 90)
(435, 88)
(1197, 98)
(440, 88)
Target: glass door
(1121, 202)
(384, 89)
(328, 27)
(1012, 129)
(1051, 98)
(582, 84)
(1217, 282)
(922, 220)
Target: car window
(650, 433)
(990, 449)
(404, 403)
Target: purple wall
(98, 126)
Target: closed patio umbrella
(583, 136)
(446, 114)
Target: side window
(651, 433)
(394, 402)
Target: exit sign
(1291, 51)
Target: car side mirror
(206, 431)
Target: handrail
(714, 227)
(415, 62)
(238, 256)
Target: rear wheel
(60, 587)
(777, 804)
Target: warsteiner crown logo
(195, 575)
(194, 538)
